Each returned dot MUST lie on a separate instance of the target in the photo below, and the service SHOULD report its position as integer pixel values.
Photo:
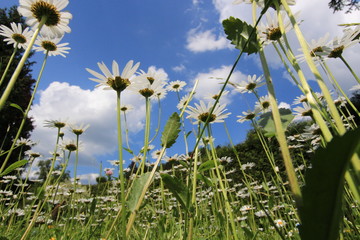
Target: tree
(338, 5)
(10, 117)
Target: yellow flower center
(43, 9)
(49, 46)
(118, 84)
(19, 38)
(336, 52)
(204, 116)
(146, 92)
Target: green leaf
(207, 165)
(321, 213)
(239, 32)
(206, 180)
(13, 166)
(14, 105)
(171, 131)
(128, 150)
(136, 191)
(177, 188)
(266, 121)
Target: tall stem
(121, 169)
(350, 69)
(147, 133)
(9, 63)
(25, 114)
(19, 67)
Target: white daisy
(56, 21)
(355, 88)
(79, 129)
(15, 35)
(250, 85)
(183, 101)
(212, 96)
(114, 80)
(176, 86)
(270, 31)
(147, 84)
(263, 105)
(318, 48)
(201, 113)
(51, 46)
(347, 40)
(126, 108)
(248, 115)
(304, 111)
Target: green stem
(351, 70)
(147, 133)
(121, 168)
(9, 63)
(25, 114)
(19, 67)
(76, 160)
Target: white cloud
(179, 68)
(95, 107)
(201, 41)
(86, 179)
(210, 82)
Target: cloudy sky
(184, 40)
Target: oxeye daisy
(201, 112)
(55, 124)
(263, 104)
(126, 108)
(304, 111)
(270, 31)
(347, 40)
(79, 129)
(114, 80)
(15, 35)
(183, 101)
(217, 95)
(176, 86)
(148, 83)
(318, 48)
(51, 46)
(47, 12)
(248, 115)
(261, 3)
(250, 85)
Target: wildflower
(79, 129)
(248, 115)
(300, 99)
(56, 21)
(318, 48)
(32, 154)
(201, 113)
(172, 158)
(217, 95)
(109, 171)
(263, 105)
(24, 141)
(250, 85)
(261, 3)
(51, 46)
(183, 101)
(54, 124)
(346, 41)
(156, 153)
(114, 80)
(15, 35)
(304, 111)
(248, 165)
(355, 88)
(271, 31)
(280, 223)
(176, 86)
(69, 145)
(147, 88)
(126, 108)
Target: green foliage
(171, 131)
(136, 191)
(10, 117)
(321, 213)
(241, 34)
(13, 167)
(266, 121)
(180, 191)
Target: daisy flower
(55, 124)
(15, 35)
(248, 115)
(114, 80)
(183, 101)
(79, 129)
(319, 48)
(304, 111)
(263, 105)
(280, 223)
(346, 41)
(156, 153)
(250, 85)
(51, 46)
(217, 95)
(261, 3)
(126, 107)
(176, 86)
(201, 113)
(56, 22)
(300, 99)
(24, 141)
(270, 31)
(355, 88)
(147, 88)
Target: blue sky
(185, 40)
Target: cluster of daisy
(46, 16)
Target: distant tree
(44, 168)
(338, 5)
(10, 117)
